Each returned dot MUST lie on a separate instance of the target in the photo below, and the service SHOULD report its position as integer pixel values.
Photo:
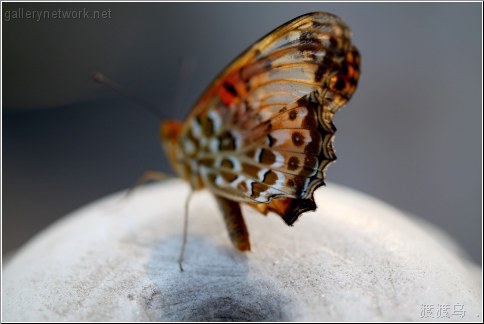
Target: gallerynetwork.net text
(38, 15)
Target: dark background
(411, 135)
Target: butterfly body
(262, 133)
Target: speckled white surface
(356, 258)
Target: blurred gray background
(411, 135)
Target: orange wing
(313, 51)
(262, 132)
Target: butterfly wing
(262, 132)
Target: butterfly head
(169, 137)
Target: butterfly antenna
(102, 79)
(187, 67)
(185, 231)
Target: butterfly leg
(149, 175)
(185, 232)
(235, 223)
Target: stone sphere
(354, 259)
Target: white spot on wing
(219, 181)
(213, 145)
(216, 121)
(257, 154)
(281, 179)
(189, 147)
(237, 139)
(197, 132)
(281, 135)
(196, 128)
(261, 173)
(279, 160)
(236, 163)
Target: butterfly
(262, 133)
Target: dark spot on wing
(318, 75)
(251, 154)
(340, 84)
(226, 163)
(271, 140)
(207, 126)
(310, 161)
(206, 161)
(303, 101)
(228, 176)
(293, 163)
(257, 188)
(309, 121)
(333, 42)
(297, 139)
(308, 42)
(230, 88)
(314, 145)
(299, 184)
(267, 157)
(211, 178)
(227, 142)
(270, 177)
(267, 65)
(250, 170)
